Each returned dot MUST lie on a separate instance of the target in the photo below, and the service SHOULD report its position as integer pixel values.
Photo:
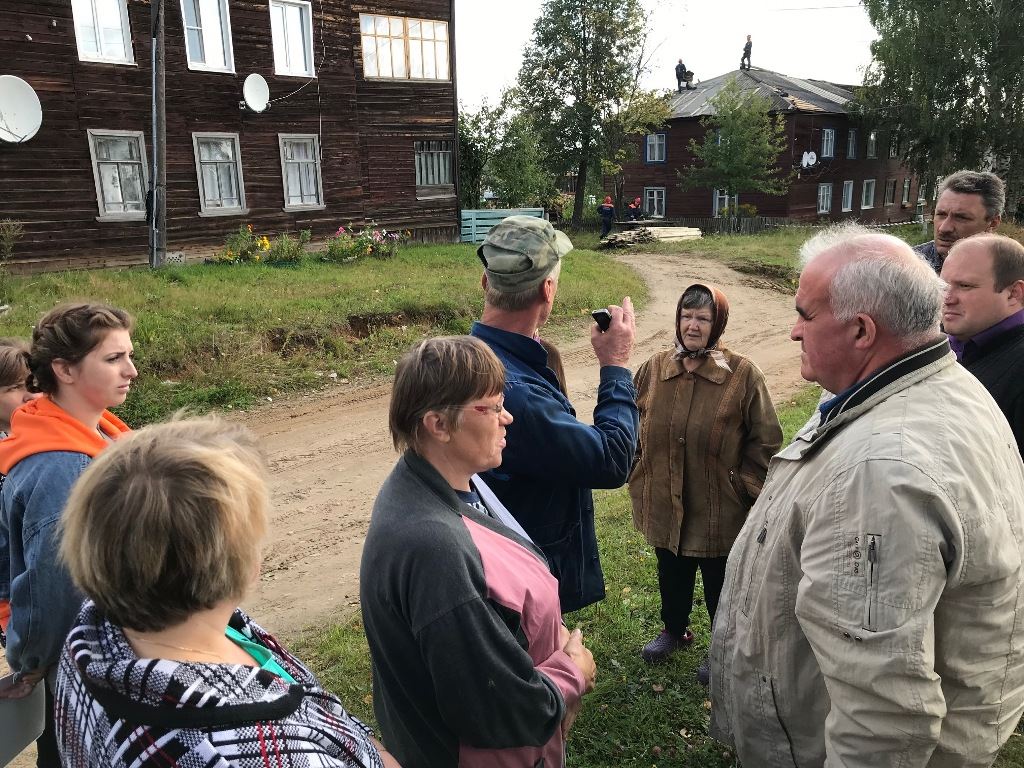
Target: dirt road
(329, 453)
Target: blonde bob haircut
(168, 521)
(440, 375)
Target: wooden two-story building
(361, 125)
(856, 171)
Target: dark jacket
(999, 365)
(552, 460)
(929, 254)
(115, 710)
(463, 622)
(606, 211)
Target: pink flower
(341, 231)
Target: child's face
(10, 398)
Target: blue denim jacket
(44, 601)
(552, 460)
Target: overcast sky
(820, 39)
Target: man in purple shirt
(983, 313)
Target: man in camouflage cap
(552, 460)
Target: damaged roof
(785, 93)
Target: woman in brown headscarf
(707, 430)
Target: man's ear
(435, 424)
(866, 331)
(483, 280)
(548, 288)
(62, 371)
(993, 223)
(1017, 292)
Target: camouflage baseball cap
(520, 252)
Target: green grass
(637, 715)
(225, 336)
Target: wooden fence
(477, 223)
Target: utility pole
(158, 178)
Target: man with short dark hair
(983, 313)
(968, 203)
(551, 460)
(873, 609)
(746, 54)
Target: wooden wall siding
(48, 183)
(801, 202)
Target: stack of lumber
(650, 235)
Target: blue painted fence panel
(476, 224)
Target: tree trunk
(581, 183)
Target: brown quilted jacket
(705, 441)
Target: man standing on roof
(746, 53)
(682, 81)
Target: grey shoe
(664, 645)
(704, 672)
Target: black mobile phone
(603, 318)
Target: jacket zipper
(872, 596)
(753, 567)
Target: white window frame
(654, 143)
(126, 34)
(828, 142)
(104, 215)
(865, 202)
(284, 138)
(847, 196)
(872, 149)
(430, 191)
(406, 42)
(720, 200)
(906, 191)
(825, 198)
(204, 209)
(890, 193)
(224, 23)
(307, 6)
(894, 145)
(851, 144)
(654, 193)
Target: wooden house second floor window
(434, 169)
(119, 170)
(872, 152)
(398, 48)
(102, 31)
(828, 142)
(208, 35)
(219, 168)
(851, 144)
(655, 148)
(291, 25)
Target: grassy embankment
(227, 336)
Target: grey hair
(883, 278)
(519, 300)
(698, 298)
(987, 185)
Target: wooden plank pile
(642, 235)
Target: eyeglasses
(497, 409)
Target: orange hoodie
(41, 426)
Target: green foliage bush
(245, 246)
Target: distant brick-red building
(857, 174)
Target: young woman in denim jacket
(81, 361)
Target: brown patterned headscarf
(719, 314)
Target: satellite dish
(256, 93)
(809, 159)
(21, 115)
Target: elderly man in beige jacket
(873, 609)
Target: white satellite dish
(256, 93)
(21, 115)
(809, 159)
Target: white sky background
(819, 41)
